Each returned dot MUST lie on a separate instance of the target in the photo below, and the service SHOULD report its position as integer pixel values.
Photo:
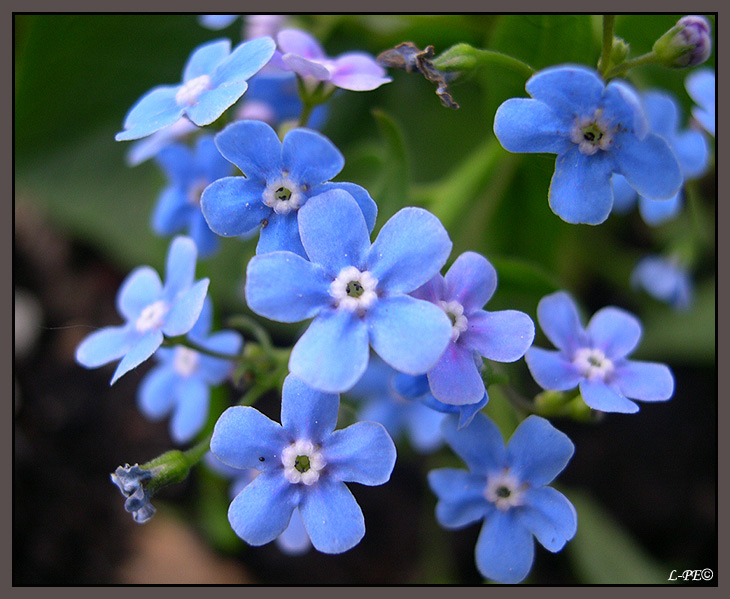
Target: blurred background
(644, 485)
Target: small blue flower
(701, 88)
(502, 336)
(181, 382)
(596, 130)
(304, 464)
(189, 172)
(213, 80)
(216, 21)
(506, 488)
(664, 279)
(151, 311)
(144, 149)
(279, 179)
(594, 358)
(130, 481)
(356, 292)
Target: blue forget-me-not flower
(280, 176)
(304, 464)
(152, 311)
(213, 80)
(506, 488)
(701, 88)
(356, 291)
(596, 130)
(665, 279)
(595, 358)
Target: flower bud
(687, 44)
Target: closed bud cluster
(687, 44)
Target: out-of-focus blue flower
(687, 44)
(151, 310)
(596, 130)
(356, 291)
(501, 336)
(144, 149)
(304, 464)
(701, 88)
(506, 488)
(356, 71)
(279, 179)
(595, 358)
(181, 382)
(213, 80)
(664, 279)
(216, 21)
(189, 172)
(130, 481)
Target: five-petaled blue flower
(357, 292)
(503, 336)
(594, 358)
(665, 279)
(151, 311)
(701, 88)
(506, 488)
(181, 382)
(596, 130)
(304, 464)
(189, 172)
(279, 179)
(213, 80)
(689, 147)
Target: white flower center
(504, 490)
(354, 290)
(152, 317)
(302, 462)
(455, 312)
(283, 195)
(591, 134)
(190, 91)
(185, 361)
(593, 363)
(196, 190)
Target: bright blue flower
(216, 21)
(501, 336)
(595, 358)
(189, 172)
(664, 279)
(596, 130)
(279, 179)
(701, 87)
(506, 488)
(304, 464)
(356, 292)
(151, 310)
(213, 80)
(130, 481)
(181, 382)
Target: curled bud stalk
(687, 44)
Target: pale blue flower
(701, 88)
(665, 279)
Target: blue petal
(205, 58)
(140, 288)
(105, 345)
(599, 396)
(410, 249)
(538, 452)
(262, 510)
(524, 125)
(180, 267)
(215, 370)
(205, 240)
(253, 146)
(142, 349)
(648, 165)
(285, 287)
(551, 370)
(333, 230)
(701, 87)
(656, 212)
(246, 60)
(692, 152)
(294, 540)
(645, 381)
(185, 310)
(387, 412)
(549, 516)
(309, 157)
(461, 497)
(375, 382)
(333, 352)
(569, 90)
(624, 196)
(209, 160)
(156, 394)
(662, 113)
(471, 281)
(505, 549)
(331, 516)
(455, 379)
(614, 331)
(424, 427)
(214, 102)
(177, 162)
(622, 109)
(367, 205)
(192, 410)
(307, 414)
(234, 205)
(558, 317)
(155, 110)
(580, 190)
(480, 444)
(664, 280)
(281, 233)
(409, 386)
(216, 21)
(361, 453)
(408, 333)
(433, 290)
(465, 413)
(502, 336)
(243, 435)
(172, 211)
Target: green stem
(605, 61)
(184, 341)
(640, 61)
(246, 324)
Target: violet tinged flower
(180, 383)
(596, 130)
(502, 336)
(356, 292)
(213, 80)
(595, 358)
(130, 481)
(189, 172)
(701, 88)
(505, 487)
(152, 311)
(665, 279)
(279, 179)
(304, 464)
(687, 44)
(301, 53)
